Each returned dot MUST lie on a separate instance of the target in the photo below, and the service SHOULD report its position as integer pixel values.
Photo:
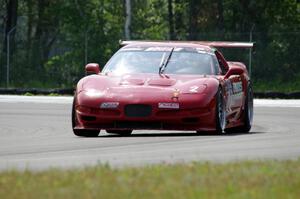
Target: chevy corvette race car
(165, 86)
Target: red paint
(196, 110)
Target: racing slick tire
(247, 115)
(81, 132)
(120, 132)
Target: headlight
(93, 93)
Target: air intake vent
(138, 110)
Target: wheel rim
(221, 113)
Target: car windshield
(148, 60)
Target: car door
(236, 93)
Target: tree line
(51, 40)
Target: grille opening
(138, 110)
(88, 118)
(190, 120)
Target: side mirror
(234, 70)
(92, 68)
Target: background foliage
(54, 39)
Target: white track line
(68, 100)
(276, 103)
(36, 99)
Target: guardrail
(70, 91)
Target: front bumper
(193, 118)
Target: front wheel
(220, 113)
(81, 132)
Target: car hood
(146, 83)
(189, 90)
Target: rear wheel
(81, 132)
(120, 132)
(248, 111)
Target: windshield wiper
(165, 62)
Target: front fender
(212, 87)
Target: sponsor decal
(203, 51)
(168, 105)
(194, 89)
(237, 87)
(228, 87)
(132, 49)
(109, 105)
(178, 49)
(158, 48)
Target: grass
(29, 94)
(51, 94)
(248, 179)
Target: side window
(221, 65)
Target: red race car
(165, 86)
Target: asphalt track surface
(35, 133)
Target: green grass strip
(247, 179)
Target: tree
(128, 19)
(55, 36)
(46, 31)
(171, 20)
(179, 17)
(220, 17)
(194, 12)
(11, 21)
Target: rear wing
(216, 44)
(226, 44)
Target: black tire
(220, 117)
(248, 111)
(120, 132)
(247, 115)
(81, 132)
